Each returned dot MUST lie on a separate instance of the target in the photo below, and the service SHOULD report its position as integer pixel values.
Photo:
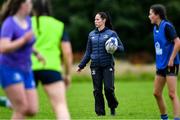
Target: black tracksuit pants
(104, 75)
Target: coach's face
(153, 17)
(99, 21)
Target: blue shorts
(10, 76)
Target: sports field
(134, 92)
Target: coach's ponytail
(108, 19)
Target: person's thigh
(97, 76)
(56, 92)
(172, 73)
(32, 99)
(159, 84)
(172, 84)
(16, 94)
(108, 76)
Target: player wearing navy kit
(166, 44)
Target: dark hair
(10, 7)
(106, 16)
(160, 10)
(41, 7)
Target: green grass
(134, 93)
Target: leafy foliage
(129, 17)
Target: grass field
(134, 93)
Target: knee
(157, 94)
(108, 90)
(31, 111)
(97, 91)
(172, 95)
(21, 107)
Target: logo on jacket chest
(105, 36)
(92, 37)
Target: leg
(172, 87)
(15, 81)
(108, 74)
(96, 74)
(31, 94)
(57, 95)
(158, 89)
(32, 99)
(18, 100)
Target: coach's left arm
(120, 47)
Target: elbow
(4, 50)
(121, 48)
(178, 44)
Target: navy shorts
(47, 76)
(10, 76)
(168, 71)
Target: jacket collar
(97, 31)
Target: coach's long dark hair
(41, 7)
(106, 16)
(10, 7)
(160, 10)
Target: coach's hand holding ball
(111, 45)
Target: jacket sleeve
(86, 57)
(120, 45)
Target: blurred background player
(4, 101)
(102, 63)
(51, 40)
(16, 42)
(167, 45)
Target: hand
(67, 81)
(79, 70)
(28, 36)
(171, 62)
(41, 59)
(112, 49)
